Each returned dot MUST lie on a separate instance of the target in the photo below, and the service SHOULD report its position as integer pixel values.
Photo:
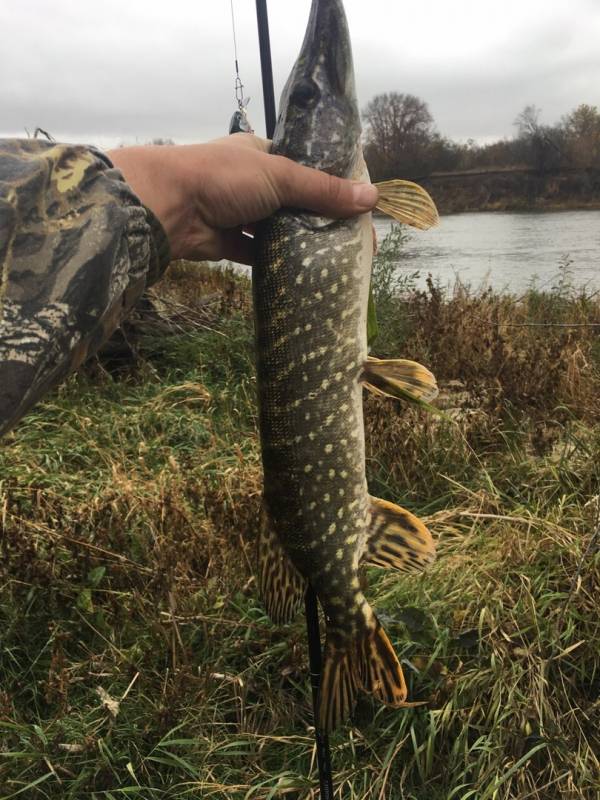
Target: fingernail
(364, 195)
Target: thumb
(302, 187)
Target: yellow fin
(379, 670)
(368, 663)
(400, 378)
(407, 202)
(280, 584)
(338, 688)
(397, 539)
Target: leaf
(95, 576)
(71, 748)
(84, 600)
(109, 703)
(492, 788)
(129, 768)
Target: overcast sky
(130, 70)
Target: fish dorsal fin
(407, 202)
(397, 539)
(280, 584)
(400, 378)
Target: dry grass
(136, 660)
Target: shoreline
(510, 209)
(514, 190)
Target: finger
(303, 187)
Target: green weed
(136, 660)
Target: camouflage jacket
(77, 249)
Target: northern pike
(311, 288)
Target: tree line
(401, 139)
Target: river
(507, 251)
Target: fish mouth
(327, 42)
(319, 122)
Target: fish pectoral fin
(407, 202)
(397, 539)
(400, 378)
(281, 586)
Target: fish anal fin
(399, 378)
(280, 584)
(397, 539)
(407, 202)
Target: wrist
(152, 174)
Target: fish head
(319, 121)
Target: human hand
(206, 195)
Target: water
(505, 250)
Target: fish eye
(306, 94)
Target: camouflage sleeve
(77, 249)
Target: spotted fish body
(311, 337)
(311, 289)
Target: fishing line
(545, 324)
(239, 86)
(239, 121)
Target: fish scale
(308, 365)
(310, 291)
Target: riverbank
(514, 189)
(136, 659)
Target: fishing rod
(311, 604)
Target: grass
(136, 660)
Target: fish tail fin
(369, 663)
(380, 672)
(339, 686)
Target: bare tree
(528, 121)
(538, 145)
(398, 130)
(582, 133)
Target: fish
(318, 522)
